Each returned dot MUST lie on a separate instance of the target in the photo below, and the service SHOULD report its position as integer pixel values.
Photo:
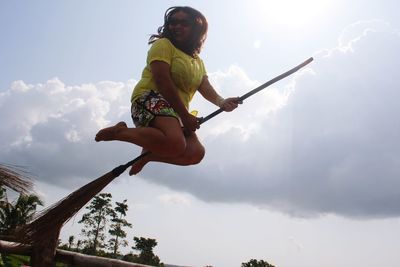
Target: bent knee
(198, 155)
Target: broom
(16, 178)
(53, 218)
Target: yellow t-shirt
(187, 72)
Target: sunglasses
(182, 22)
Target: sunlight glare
(292, 12)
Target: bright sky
(305, 173)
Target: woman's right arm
(162, 77)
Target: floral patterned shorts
(148, 106)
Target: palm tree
(14, 214)
(3, 202)
(17, 213)
(20, 211)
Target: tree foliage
(117, 228)
(146, 255)
(256, 263)
(95, 222)
(71, 241)
(100, 214)
(16, 213)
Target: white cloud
(50, 127)
(331, 148)
(174, 199)
(324, 141)
(354, 32)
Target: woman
(160, 100)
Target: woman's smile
(180, 26)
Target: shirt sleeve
(161, 50)
(203, 68)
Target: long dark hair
(199, 29)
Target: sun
(292, 12)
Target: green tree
(19, 212)
(3, 201)
(95, 222)
(116, 229)
(146, 255)
(256, 263)
(70, 241)
(13, 214)
(78, 245)
(16, 213)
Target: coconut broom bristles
(53, 218)
(16, 178)
(56, 215)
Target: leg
(193, 154)
(164, 138)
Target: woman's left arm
(209, 93)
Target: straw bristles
(54, 217)
(15, 178)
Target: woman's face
(180, 27)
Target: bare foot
(108, 134)
(138, 165)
